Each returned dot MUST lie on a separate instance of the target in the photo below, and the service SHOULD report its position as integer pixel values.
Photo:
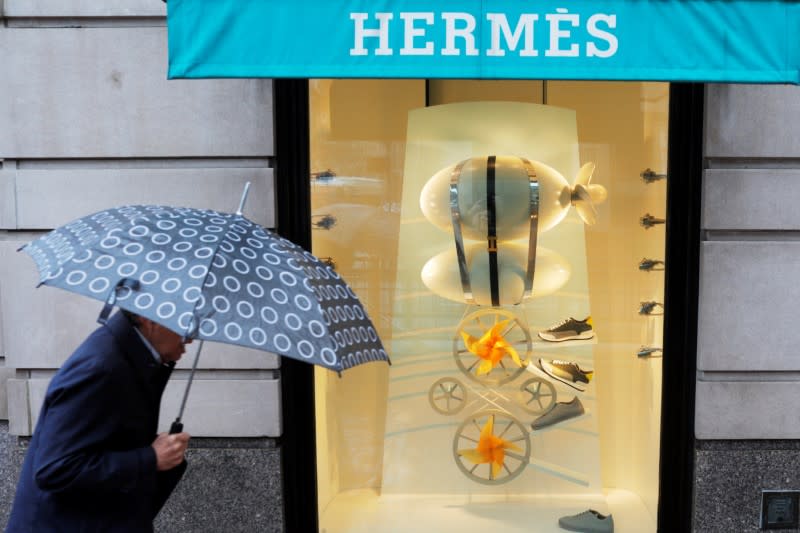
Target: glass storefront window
(507, 239)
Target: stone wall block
(19, 412)
(83, 8)
(5, 375)
(8, 194)
(751, 199)
(748, 306)
(747, 410)
(214, 408)
(47, 198)
(752, 121)
(102, 92)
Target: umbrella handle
(176, 427)
(111, 299)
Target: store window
(507, 239)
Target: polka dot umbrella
(212, 276)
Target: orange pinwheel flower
(491, 347)
(491, 449)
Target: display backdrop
(420, 439)
(678, 40)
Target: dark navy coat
(90, 466)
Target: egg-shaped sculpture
(510, 179)
(442, 276)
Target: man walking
(95, 462)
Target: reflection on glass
(530, 405)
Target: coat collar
(152, 375)
(129, 340)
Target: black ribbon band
(491, 236)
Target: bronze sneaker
(569, 330)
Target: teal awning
(754, 41)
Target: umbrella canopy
(211, 276)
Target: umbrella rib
(222, 238)
(194, 323)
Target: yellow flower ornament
(491, 347)
(490, 449)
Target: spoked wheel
(537, 395)
(478, 326)
(447, 396)
(488, 429)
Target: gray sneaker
(558, 413)
(569, 330)
(588, 522)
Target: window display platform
(364, 511)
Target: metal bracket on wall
(648, 308)
(649, 351)
(323, 175)
(649, 176)
(648, 221)
(651, 265)
(325, 222)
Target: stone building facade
(88, 120)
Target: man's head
(166, 342)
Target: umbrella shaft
(244, 198)
(189, 383)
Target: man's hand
(170, 450)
